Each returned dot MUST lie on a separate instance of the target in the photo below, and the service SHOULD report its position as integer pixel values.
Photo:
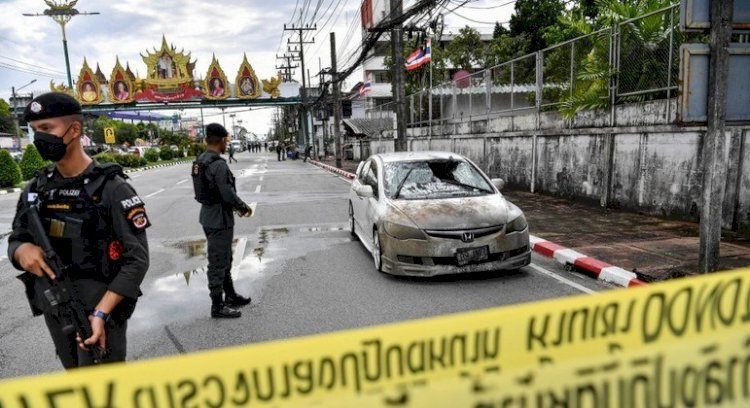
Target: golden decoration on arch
(246, 86)
(169, 75)
(121, 84)
(215, 84)
(60, 88)
(271, 86)
(88, 88)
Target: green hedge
(10, 173)
(152, 155)
(105, 158)
(166, 153)
(196, 149)
(31, 162)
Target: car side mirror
(364, 190)
(499, 183)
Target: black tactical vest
(78, 224)
(204, 194)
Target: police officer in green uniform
(95, 222)
(215, 189)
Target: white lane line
(260, 178)
(561, 279)
(257, 189)
(155, 193)
(181, 181)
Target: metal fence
(636, 60)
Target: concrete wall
(650, 168)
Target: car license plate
(467, 255)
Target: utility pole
(61, 12)
(288, 67)
(336, 102)
(300, 31)
(398, 74)
(714, 163)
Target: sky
(31, 47)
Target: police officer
(95, 222)
(215, 190)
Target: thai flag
(365, 88)
(419, 57)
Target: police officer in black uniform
(215, 190)
(95, 222)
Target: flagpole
(429, 108)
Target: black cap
(51, 105)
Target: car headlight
(400, 231)
(517, 225)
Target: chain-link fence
(633, 61)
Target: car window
(434, 179)
(372, 177)
(363, 172)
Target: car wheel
(376, 255)
(351, 222)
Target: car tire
(377, 256)
(351, 222)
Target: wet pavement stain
(183, 294)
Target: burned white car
(435, 213)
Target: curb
(156, 166)
(10, 190)
(588, 265)
(564, 256)
(336, 170)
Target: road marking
(261, 178)
(257, 189)
(561, 279)
(155, 193)
(181, 181)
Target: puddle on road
(183, 296)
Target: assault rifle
(60, 294)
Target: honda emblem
(467, 237)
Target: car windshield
(434, 179)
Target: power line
(466, 18)
(28, 71)
(32, 65)
(485, 8)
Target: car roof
(418, 156)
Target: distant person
(278, 151)
(231, 153)
(215, 189)
(308, 152)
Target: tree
(466, 51)
(499, 31)
(532, 17)
(31, 162)
(10, 173)
(7, 122)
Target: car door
(370, 204)
(359, 202)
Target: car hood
(455, 213)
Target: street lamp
(15, 109)
(62, 12)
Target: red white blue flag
(419, 57)
(365, 88)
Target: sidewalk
(655, 248)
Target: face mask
(50, 147)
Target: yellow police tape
(679, 343)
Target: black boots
(236, 300)
(219, 309)
(222, 310)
